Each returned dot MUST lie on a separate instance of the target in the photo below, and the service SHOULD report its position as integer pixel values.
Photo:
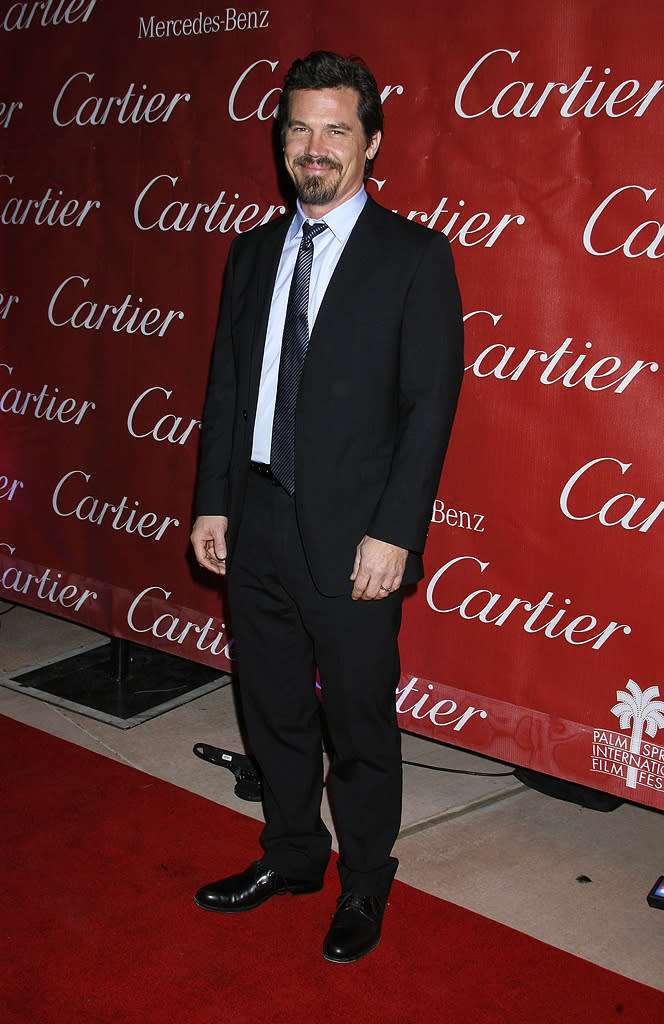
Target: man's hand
(208, 539)
(378, 569)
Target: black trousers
(284, 630)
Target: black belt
(262, 469)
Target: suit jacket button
(244, 414)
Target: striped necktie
(293, 352)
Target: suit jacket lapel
(268, 255)
(363, 256)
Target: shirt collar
(341, 220)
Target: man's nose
(315, 144)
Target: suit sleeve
(216, 442)
(430, 375)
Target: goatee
(313, 189)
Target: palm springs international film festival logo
(631, 757)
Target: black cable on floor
(458, 771)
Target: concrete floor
(488, 844)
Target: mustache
(317, 161)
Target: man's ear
(373, 146)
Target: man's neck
(316, 211)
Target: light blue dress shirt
(328, 246)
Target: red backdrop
(136, 145)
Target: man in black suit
(335, 376)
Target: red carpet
(99, 864)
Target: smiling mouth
(310, 164)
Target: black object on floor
(593, 799)
(120, 681)
(248, 784)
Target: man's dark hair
(325, 70)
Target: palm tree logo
(644, 712)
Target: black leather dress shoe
(355, 928)
(250, 888)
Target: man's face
(325, 147)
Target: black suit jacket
(377, 398)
